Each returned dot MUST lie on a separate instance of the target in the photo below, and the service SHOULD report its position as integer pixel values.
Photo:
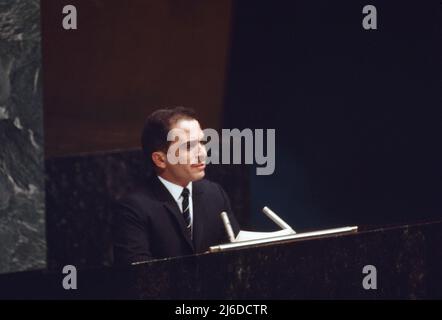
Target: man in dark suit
(175, 212)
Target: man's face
(185, 161)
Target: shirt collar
(174, 189)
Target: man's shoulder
(139, 192)
(206, 185)
(140, 195)
(149, 195)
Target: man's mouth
(199, 165)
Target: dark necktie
(186, 210)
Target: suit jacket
(148, 224)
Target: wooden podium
(326, 267)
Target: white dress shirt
(176, 190)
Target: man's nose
(202, 153)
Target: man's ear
(159, 158)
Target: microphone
(228, 226)
(276, 219)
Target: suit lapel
(170, 204)
(198, 214)
(178, 217)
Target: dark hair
(156, 128)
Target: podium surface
(407, 259)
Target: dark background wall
(357, 113)
(126, 59)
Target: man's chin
(198, 176)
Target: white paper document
(250, 235)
